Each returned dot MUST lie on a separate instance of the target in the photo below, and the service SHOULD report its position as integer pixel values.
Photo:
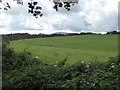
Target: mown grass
(75, 49)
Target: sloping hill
(74, 48)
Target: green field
(74, 48)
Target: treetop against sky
(47, 16)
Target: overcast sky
(87, 15)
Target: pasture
(87, 48)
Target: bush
(23, 71)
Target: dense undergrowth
(24, 71)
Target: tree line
(18, 36)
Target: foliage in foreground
(23, 71)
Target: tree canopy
(35, 9)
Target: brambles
(23, 71)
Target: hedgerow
(24, 71)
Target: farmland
(41, 63)
(75, 49)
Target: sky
(86, 16)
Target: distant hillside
(18, 36)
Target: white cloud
(88, 15)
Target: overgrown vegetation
(23, 71)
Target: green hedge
(23, 71)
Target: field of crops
(73, 48)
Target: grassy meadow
(75, 49)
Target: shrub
(23, 71)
